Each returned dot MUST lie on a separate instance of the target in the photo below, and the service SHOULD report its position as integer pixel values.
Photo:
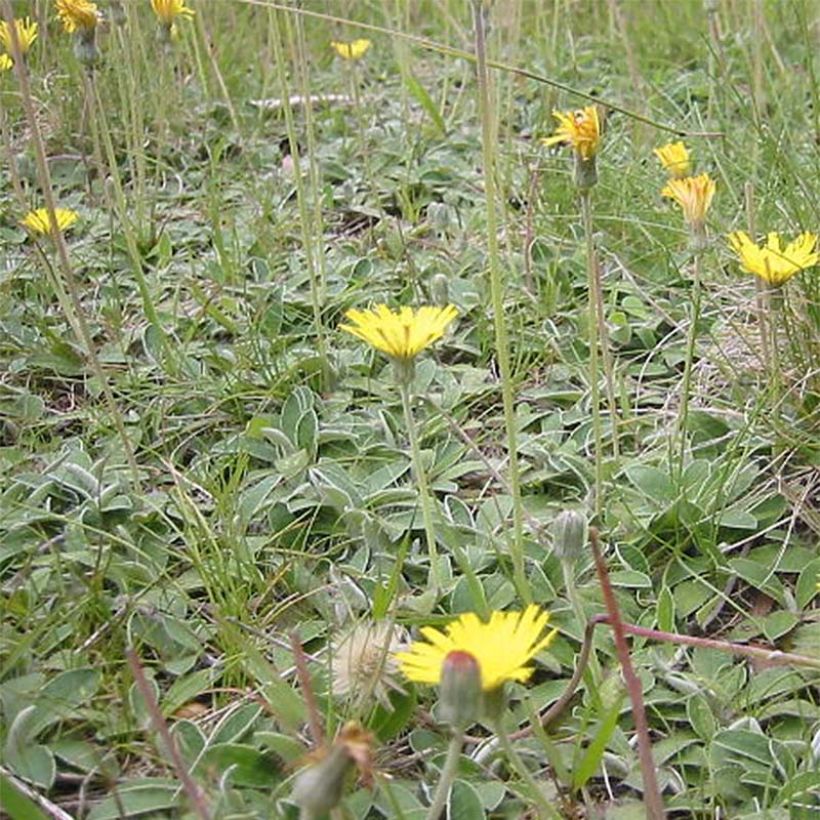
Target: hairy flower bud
(460, 689)
(318, 788)
(569, 534)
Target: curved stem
(448, 774)
(544, 808)
(421, 480)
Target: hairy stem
(448, 774)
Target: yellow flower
(5, 62)
(354, 50)
(401, 335)
(675, 159)
(694, 195)
(502, 647)
(581, 129)
(38, 221)
(77, 15)
(168, 10)
(26, 34)
(771, 261)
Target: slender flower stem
(421, 481)
(651, 791)
(686, 385)
(448, 774)
(544, 808)
(594, 328)
(502, 346)
(311, 248)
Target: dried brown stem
(314, 718)
(190, 786)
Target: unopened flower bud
(318, 788)
(586, 173)
(85, 47)
(460, 690)
(569, 534)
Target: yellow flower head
(26, 34)
(354, 50)
(77, 15)
(674, 157)
(694, 195)
(38, 221)
(771, 262)
(5, 62)
(502, 647)
(168, 10)
(581, 129)
(401, 335)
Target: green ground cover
(197, 464)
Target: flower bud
(85, 47)
(586, 173)
(460, 694)
(569, 534)
(318, 788)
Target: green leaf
(594, 753)
(424, 100)
(465, 804)
(16, 804)
(700, 716)
(139, 797)
(653, 483)
(248, 766)
(778, 624)
(666, 610)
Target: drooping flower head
(772, 262)
(26, 34)
(77, 15)
(39, 222)
(401, 335)
(5, 62)
(502, 647)
(581, 129)
(354, 50)
(168, 10)
(694, 195)
(674, 157)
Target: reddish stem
(651, 792)
(773, 656)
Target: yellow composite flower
(353, 50)
(77, 15)
(38, 221)
(5, 62)
(581, 129)
(26, 34)
(772, 262)
(168, 10)
(403, 334)
(693, 194)
(674, 157)
(502, 647)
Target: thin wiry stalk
(651, 791)
(594, 327)
(497, 299)
(448, 773)
(78, 319)
(309, 239)
(691, 339)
